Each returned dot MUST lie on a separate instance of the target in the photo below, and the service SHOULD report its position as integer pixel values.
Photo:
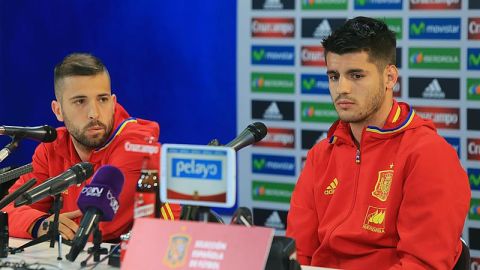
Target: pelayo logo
(434, 58)
(283, 83)
(434, 28)
(473, 89)
(473, 58)
(197, 168)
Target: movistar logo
(259, 164)
(474, 178)
(308, 84)
(474, 59)
(361, 2)
(417, 29)
(273, 164)
(258, 54)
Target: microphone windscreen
(102, 193)
(259, 130)
(50, 135)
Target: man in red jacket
(384, 190)
(98, 130)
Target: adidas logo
(322, 30)
(331, 188)
(272, 112)
(273, 4)
(433, 90)
(274, 221)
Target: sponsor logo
(455, 143)
(382, 187)
(278, 137)
(319, 28)
(473, 58)
(436, 4)
(178, 247)
(473, 119)
(324, 4)
(473, 149)
(434, 88)
(447, 118)
(434, 58)
(378, 4)
(273, 27)
(375, 219)
(397, 88)
(474, 213)
(473, 4)
(323, 112)
(276, 219)
(273, 110)
(141, 148)
(395, 25)
(474, 28)
(197, 168)
(473, 89)
(273, 55)
(273, 4)
(271, 191)
(474, 238)
(434, 28)
(475, 263)
(330, 190)
(314, 84)
(474, 178)
(273, 82)
(313, 56)
(92, 191)
(312, 137)
(270, 164)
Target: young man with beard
(96, 130)
(384, 190)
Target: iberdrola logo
(416, 58)
(474, 89)
(309, 111)
(259, 82)
(417, 29)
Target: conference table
(47, 257)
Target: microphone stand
(9, 148)
(96, 250)
(52, 234)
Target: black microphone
(12, 196)
(40, 133)
(15, 173)
(253, 133)
(3, 235)
(242, 216)
(77, 174)
(98, 202)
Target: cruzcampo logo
(324, 4)
(395, 25)
(474, 178)
(321, 112)
(434, 58)
(473, 58)
(474, 212)
(271, 191)
(283, 83)
(473, 89)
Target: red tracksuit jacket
(52, 159)
(399, 201)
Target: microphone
(10, 197)
(77, 174)
(15, 173)
(242, 216)
(98, 202)
(253, 133)
(40, 133)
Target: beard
(79, 134)
(373, 104)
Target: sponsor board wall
(281, 81)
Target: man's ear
(391, 76)
(57, 110)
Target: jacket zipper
(357, 156)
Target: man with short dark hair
(384, 190)
(96, 130)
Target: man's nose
(344, 86)
(93, 111)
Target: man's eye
(357, 76)
(333, 77)
(78, 101)
(104, 99)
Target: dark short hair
(77, 64)
(364, 34)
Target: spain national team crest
(382, 187)
(375, 219)
(177, 250)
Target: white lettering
(193, 167)
(283, 28)
(473, 149)
(141, 148)
(92, 191)
(311, 55)
(427, 2)
(473, 27)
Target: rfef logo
(273, 4)
(283, 83)
(474, 178)
(473, 149)
(455, 143)
(434, 58)
(271, 191)
(474, 28)
(273, 27)
(314, 84)
(434, 28)
(324, 4)
(320, 28)
(436, 4)
(273, 110)
(273, 55)
(197, 168)
(473, 58)
(313, 56)
(276, 219)
(312, 137)
(273, 164)
(473, 89)
(447, 118)
(322, 112)
(378, 4)
(434, 88)
(474, 213)
(278, 137)
(473, 119)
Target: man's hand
(66, 226)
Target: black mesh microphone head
(83, 171)
(259, 130)
(50, 135)
(242, 215)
